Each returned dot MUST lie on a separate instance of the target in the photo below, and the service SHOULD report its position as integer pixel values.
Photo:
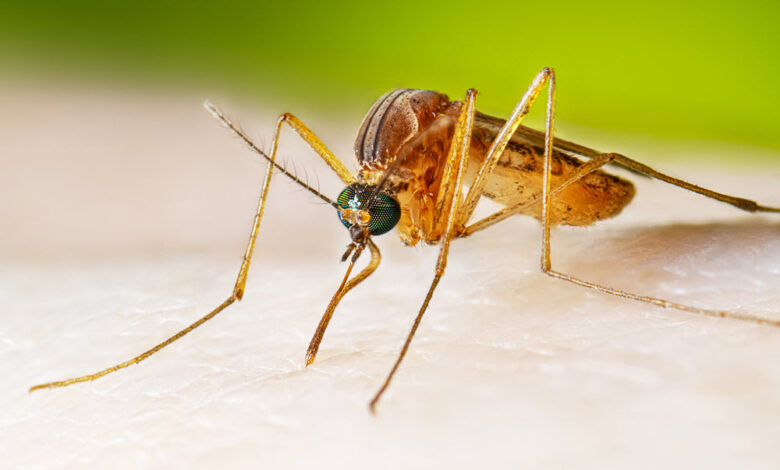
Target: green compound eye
(385, 211)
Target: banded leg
(457, 157)
(240, 284)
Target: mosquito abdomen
(518, 177)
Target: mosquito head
(367, 212)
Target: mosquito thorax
(357, 209)
(393, 120)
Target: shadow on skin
(674, 240)
(681, 259)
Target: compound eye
(385, 211)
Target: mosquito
(424, 163)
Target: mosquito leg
(497, 147)
(458, 153)
(449, 181)
(738, 202)
(319, 147)
(238, 289)
(546, 263)
(500, 143)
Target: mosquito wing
(534, 138)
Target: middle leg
(458, 154)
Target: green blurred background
(689, 70)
